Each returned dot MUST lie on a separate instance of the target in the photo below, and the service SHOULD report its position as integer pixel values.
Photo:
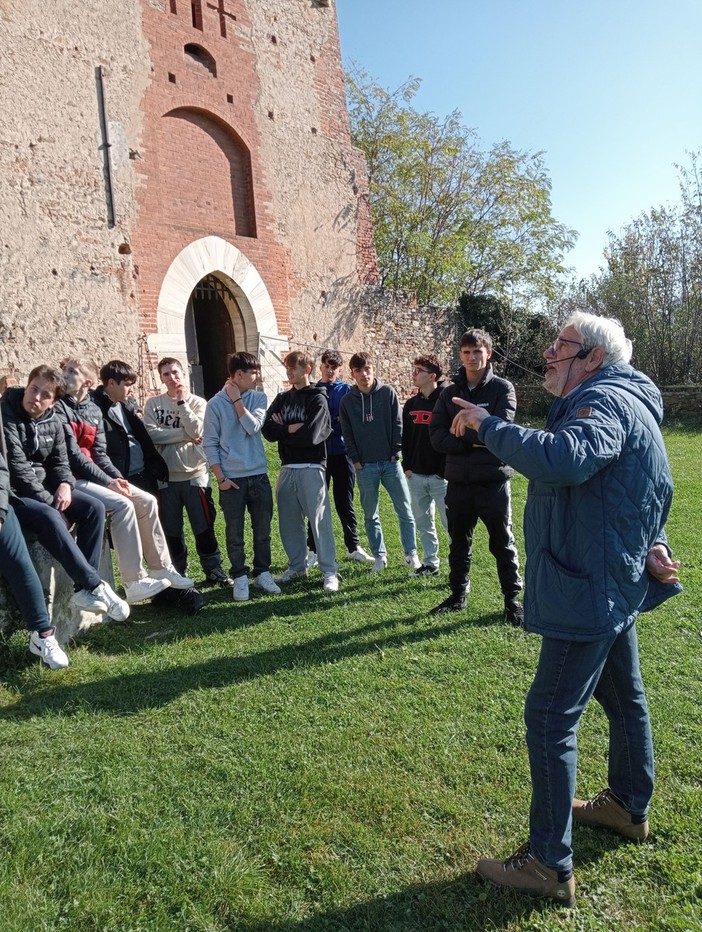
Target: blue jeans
(254, 493)
(18, 571)
(80, 557)
(428, 495)
(369, 478)
(568, 674)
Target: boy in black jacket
(45, 499)
(478, 482)
(299, 420)
(129, 446)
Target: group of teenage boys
(334, 435)
(79, 454)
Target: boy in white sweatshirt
(175, 422)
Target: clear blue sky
(609, 90)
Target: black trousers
(492, 504)
(341, 477)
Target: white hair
(605, 332)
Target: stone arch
(257, 326)
(204, 191)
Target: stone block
(68, 621)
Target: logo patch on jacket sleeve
(584, 412)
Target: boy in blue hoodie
(233, 446)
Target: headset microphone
(581, 354)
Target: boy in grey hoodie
(234, 449)
(371, 422)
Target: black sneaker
(454, 603)
(217, 577)
(425, 570)
(514, 613)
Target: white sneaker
(143, 589)
(266, 582)
(359, 555)
(412, 560)
(173, 576)
(48, 649)
(331, 582)
(291, 574)
(240, 592)
(379, 564)
(87, 601)
(311, 559)
(117, 608)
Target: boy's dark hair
(476, 337)
(119, 371)
(359, 360)
(243, 362)
(49, 374)
(431, 363)
(332, 357)
(299, 358)
(169, 361)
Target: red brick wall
(201, 171)
(194, 176)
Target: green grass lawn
(319, 761)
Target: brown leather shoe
(606, 811)
(525, 874)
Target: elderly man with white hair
(600, 490)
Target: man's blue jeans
(369, 478)
(568, 674)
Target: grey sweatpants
(302, 496)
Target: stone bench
(68, 620)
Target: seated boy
(45, 499)
(134, 523)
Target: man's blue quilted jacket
(600, 490)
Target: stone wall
(66, 281)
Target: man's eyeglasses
(561, 343)
(419, 369)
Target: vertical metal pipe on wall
(105, 146)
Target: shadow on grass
(464, 904)
(149, 626)
(132, 692)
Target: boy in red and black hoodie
(423, 465)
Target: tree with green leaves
(653, 284)
(449, 216)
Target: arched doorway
(252, 318)
(214, 329)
